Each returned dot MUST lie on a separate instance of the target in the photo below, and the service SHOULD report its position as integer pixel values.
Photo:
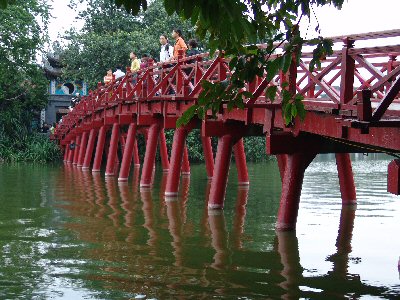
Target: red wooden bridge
(352, 103)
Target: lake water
(68, 234)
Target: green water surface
(68, 234)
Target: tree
(109, 34)
(231, 24)
(23, 86)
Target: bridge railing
(363, 83)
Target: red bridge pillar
(346, 179)
(292, 182)
(163, 152)
(220, 178)
(70, 153)
(185, 162)
(241, 165)
(76, 150)
(128, 152)
(99, 149)
(136, 158)
(112, 150)
(281, 158)
(150, 155)
(89, 149)
(177, 151)
(82, 149)
(208, 155)
(66, 152)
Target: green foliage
(23, 86)
(5, 3)
(22, 83)
(28, 148)
(255, 148)
(109, 34)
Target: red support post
(112, 151)
(150, 155)
(82, 149)
(128, 152)
(136, 158)
(66, 153)
(185, 162)
(76, 151)
(292, 182)
(71, 153)
(346, 179)
(220, 178)
(99, 149)
(347, 76)
(281, 158)
(89, 149)
(241, 165)
(208, 155)
(178, 146)
(163, 152)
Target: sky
(63, 18)
(356, 16)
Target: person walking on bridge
(109, 77)
(179, 43)
(135, 65)
(118, 73)
(166, 51)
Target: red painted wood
(185, 162)
(292, 182)
(163, 152)
(150, 155)
(178, 146)
(208, 156)
(99, 149)
(240, 160)
(89, 150)
(221, 170)
(128, 153)
(346, 179)
(77, 148)
(82, 150)
(112, 151)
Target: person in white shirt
(166, 51)
(118, 73)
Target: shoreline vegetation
(37, 147)
(34, 147)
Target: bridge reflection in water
(144, 242)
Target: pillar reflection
(340, 259)
(240, 216)
(219, 239)
(175, 228)
(113, 200)
(148, 213)
(288, 249)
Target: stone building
(60, 91)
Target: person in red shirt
(179, 43)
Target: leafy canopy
(23, 86)
(109, 34)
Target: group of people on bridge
(168, 53)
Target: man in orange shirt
(179, 43)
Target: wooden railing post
(348, 67)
